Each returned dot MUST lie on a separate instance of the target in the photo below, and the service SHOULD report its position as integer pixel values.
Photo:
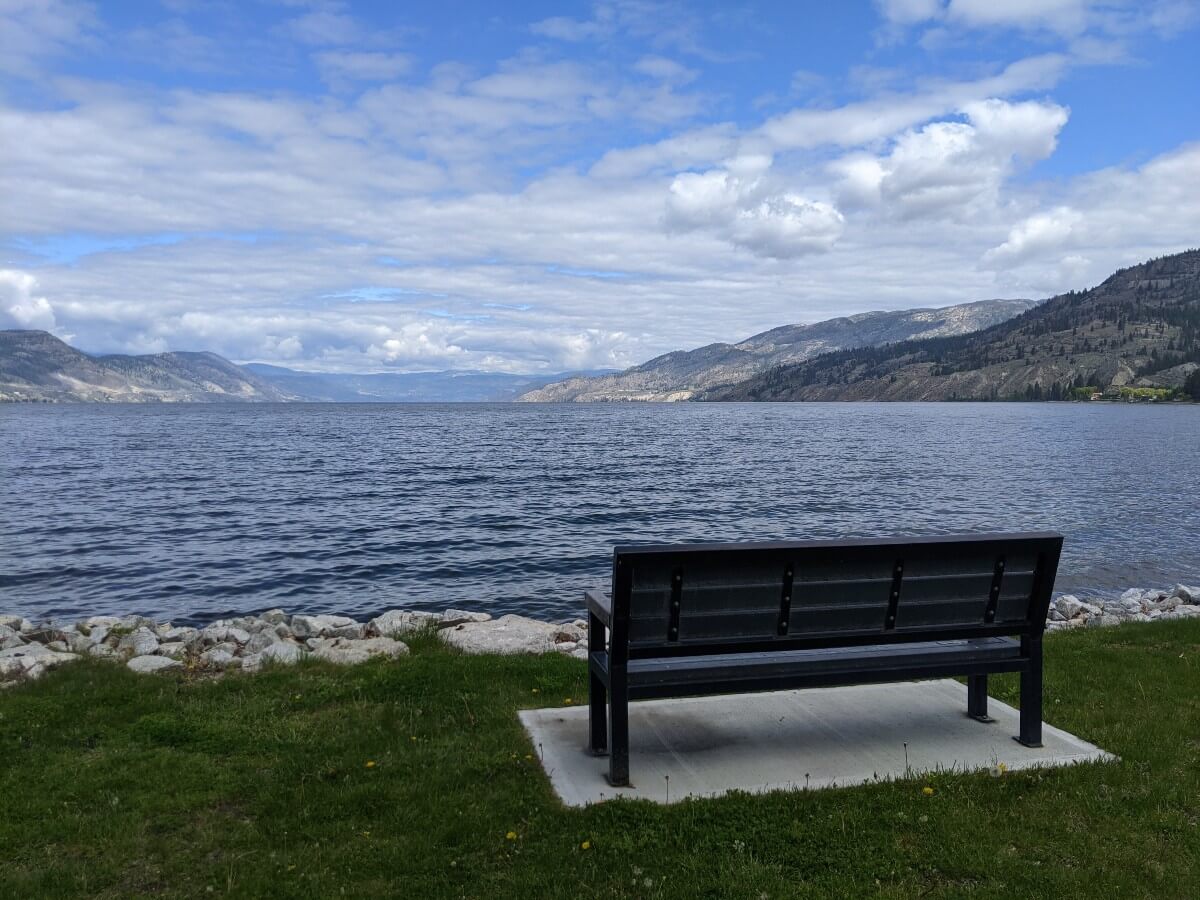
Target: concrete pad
(786, 740)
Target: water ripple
(194, 512)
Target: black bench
(692, 619)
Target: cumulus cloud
(741, 205)
(952, 168)
(1041, 233)
(20, 306)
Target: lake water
(191, 512)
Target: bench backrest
(690, 599)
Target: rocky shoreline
(247, 643)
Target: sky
(543, 187)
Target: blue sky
(537, 187)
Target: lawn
(413, 778)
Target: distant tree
(1191, 387)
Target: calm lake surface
(191, 512)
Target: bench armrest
(599, 603)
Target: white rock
(452, 617)
(141, 642)
(1103, 621)
(79, 643)
(135, 622)
(283, 652)
(28, 654)
(102, 651)
(261, 641)
(181, 633)
(275, 616)
(1186, 594)
(252, 662)
(1055, 617)
(1068, 606)
(219, 658)
(173, 649)
(220, 633)
(103, 622)
(1182, 612)
(36, 671)
(397, 622)
(566, 646)
(145, 664)
(11, 667)
(1132, 594)
(326, 626)
(1090, 609)
(580, 653)
(508, 634)
(346, 652)
(16, 623)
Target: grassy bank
(414, 779)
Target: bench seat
(727, 673)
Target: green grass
(114, 784)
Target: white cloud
(325, 27)
(1039, 234)
(362, 65)
(1064, 18)
(740, 205)
(33, 29)
(906, 12)
(952, 168)
(19, 307)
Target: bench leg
(1031, 696)
(977, 698)
(618, 727)
(597, 693)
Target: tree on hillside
(1191, 387)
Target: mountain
(1140, 328)
(402, 387)
(35, 365)
(683, 374)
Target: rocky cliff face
(1139, 329)
(36, 366)
(684, 374)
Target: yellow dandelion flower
(927, 791)
(370, 763)
(586, 845)
(529, 756)
(512, 836)
(568, 701)
(413, 738)
(536, 691)
(1002, 767)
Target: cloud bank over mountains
(325, 190)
